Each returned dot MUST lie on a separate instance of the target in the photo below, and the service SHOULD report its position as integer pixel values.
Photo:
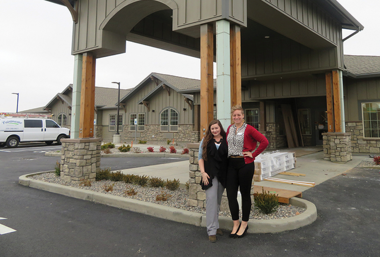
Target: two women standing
(234, 150)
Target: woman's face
(215, 130)
(237, 117)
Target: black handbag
(205, 187)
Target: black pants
(239, 174)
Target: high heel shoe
(242, 235)
(234, 234)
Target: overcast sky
(36, 60)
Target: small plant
(108, 188)
(107, 151)
(376, 159)
(107, 145)
(129, 178)
(124, 148)
(163, 196)
(116, 176)
(103, 174)
(141, 180)
(187, 185)
(130, 191)
(185, 151)
(168, 141)
(156, 182)
(172, 184)
(85, 182)
(150, 149)
(266, 202)
(172, 149)
(162, 149)
(57, 169)
(142, 142)
(136, 150)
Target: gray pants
(213, 200)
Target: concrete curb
(163, 155)
(174, 214)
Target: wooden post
(87, 103)
(263, 123)
(235, 52)
(329, 101)
(207, 80)
(337, 104)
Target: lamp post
(17, 101)
(116, 138)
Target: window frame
(309, 121)
(64, 122)
(258, 117)
(120, 121)
(140, 126)
(170, 127)
(363, 120)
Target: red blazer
(251, 137)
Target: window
(140, 117)
(33, 123)
(51, 124)
(252, 117)
(304, 121)
(62, 119)
(112, 125)
(371, 117)
(169, 122)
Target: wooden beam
(87, 101)
(263, 123)
(189, 102)
(146, 104)
(235, 62)
(329, 101)
(166, 88)
(73, 12)
(337, 104)
(207, 80)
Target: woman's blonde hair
(236, 108)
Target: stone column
(80, 159)
(337, 147)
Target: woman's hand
(205, 178)
(249, 154)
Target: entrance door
(320, 125)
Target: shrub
(136, 150)
(168, 141)
(57, 169)
(187, 185)
(376, 159)
(156, 182)
(85, 182)
(172, 149)
(150, 149)
(172, 184)
(116, 176)
(130, 191)
(107, 145)
(103, 174)
(141, 180)
(185, 151)
(266, 202)
(108, 188)
(107, 151)
(142, 142)
(163, 196)
(129, 178)
(124, 148)
(162, 149)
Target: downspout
(341, 96)
(353, 34)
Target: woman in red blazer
(242, 141)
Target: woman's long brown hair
(209, 137)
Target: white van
(16, 130)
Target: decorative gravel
(178, 198)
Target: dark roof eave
(362, 76)
(355, 24)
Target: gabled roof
(359, 66)
(63, 96)
(106, 98)
(36, 110)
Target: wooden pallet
(283, 195)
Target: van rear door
(33, 130)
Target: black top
(216, 164)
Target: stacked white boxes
(270, 164)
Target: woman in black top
(212, 160)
